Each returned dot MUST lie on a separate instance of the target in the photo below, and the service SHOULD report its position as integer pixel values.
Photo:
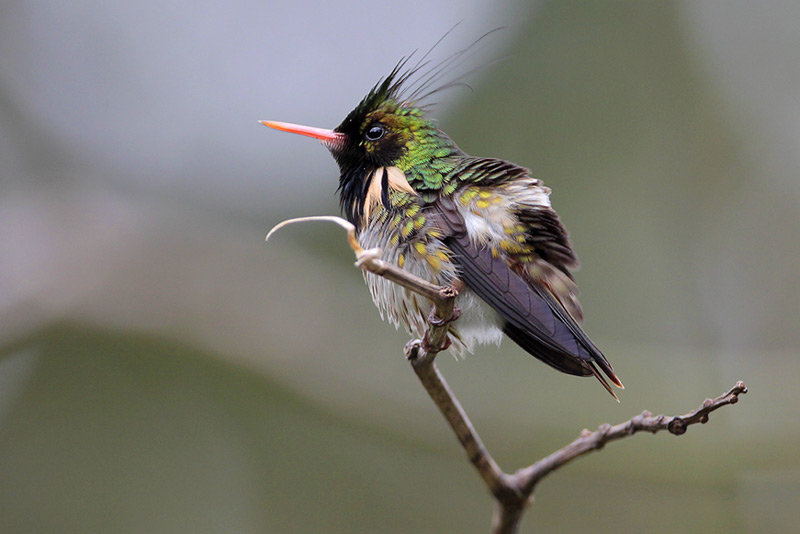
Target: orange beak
(327, 136)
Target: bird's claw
(435, 320)
(428, 348)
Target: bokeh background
(163, 370)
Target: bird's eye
(375, 132)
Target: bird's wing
(548, 257)
(534, 317)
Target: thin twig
(508, 512)
(513, 493)
(528, 477)
(438, 389)
(507, 516)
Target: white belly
(478, 323)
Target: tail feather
(605, 384)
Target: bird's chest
(408, 241)
(421, 252)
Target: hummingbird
(482, 224)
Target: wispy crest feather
(415, 84)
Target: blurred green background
(165, 371)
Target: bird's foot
(428, 348)
(435, 320)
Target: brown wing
(534, 318)
(548, 236)
(554, 259)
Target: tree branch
(438, 389)
(512, 493)
(530, 476)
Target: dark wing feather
(547, 235)
(534, 318)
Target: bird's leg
(438, 322)
(429, 348)
(435, 320)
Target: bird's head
(387, 130)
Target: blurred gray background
(163, 370)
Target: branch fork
(513, 493)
